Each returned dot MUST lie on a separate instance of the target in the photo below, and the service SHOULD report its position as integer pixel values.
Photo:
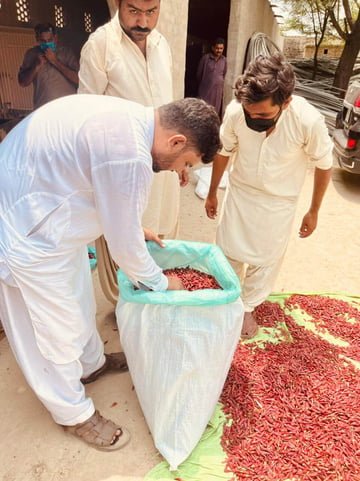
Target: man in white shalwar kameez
(270, 135)
(79, 167)
(128, 58)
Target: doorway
(205, 23)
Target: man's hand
(308, 224)
(211, 205)
(151, 236)
(184, 177)
(51, 56)
(175, 284)
(41, 60)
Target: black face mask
(261, 125)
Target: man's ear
(177, 142)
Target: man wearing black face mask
(270, 136)
(260, 124)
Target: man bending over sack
(64, 181)
(270, 136)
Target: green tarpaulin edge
(208, 460)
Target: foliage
(310, 18)
(325, 19)
(345, 17)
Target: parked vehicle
(346, 135)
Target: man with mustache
(129, 58)
(211, 73)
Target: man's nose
(142, 20)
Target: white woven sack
(178, 358)
(203, 177)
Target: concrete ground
(33, 448)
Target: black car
(346, 135)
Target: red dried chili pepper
(193, 279)
(294, 405)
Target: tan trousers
(107, 270)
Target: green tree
(311, 18)
(348, 28)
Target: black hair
(44, 27)
(197, 120)
(218, 40)
(267, 76)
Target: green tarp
(208, 460)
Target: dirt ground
(325, 261)
(36, 449)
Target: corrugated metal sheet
(13, 44)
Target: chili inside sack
(179, 345)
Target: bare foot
(250, 327)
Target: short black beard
(162, 162)
(155, 167)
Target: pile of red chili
(193, 279)
(295, 404)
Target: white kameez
(112, 64)
(265, 180)
(76, 168)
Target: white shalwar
(78, 167)
(265, 180)
(112, 64)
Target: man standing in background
(129, 58)
(51, 68)
(211, 75)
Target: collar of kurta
(214, 58)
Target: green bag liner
(204, 257)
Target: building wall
(297, 47)
(246, 18)
(325, 50)
(13, 43)
(17, 36)
(173, 23)
(294, 46)
(73, 30)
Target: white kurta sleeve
(318, 145)
(121, 190)
(228, 134)
(92, 74)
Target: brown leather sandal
(100, 433)
(113, 362)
